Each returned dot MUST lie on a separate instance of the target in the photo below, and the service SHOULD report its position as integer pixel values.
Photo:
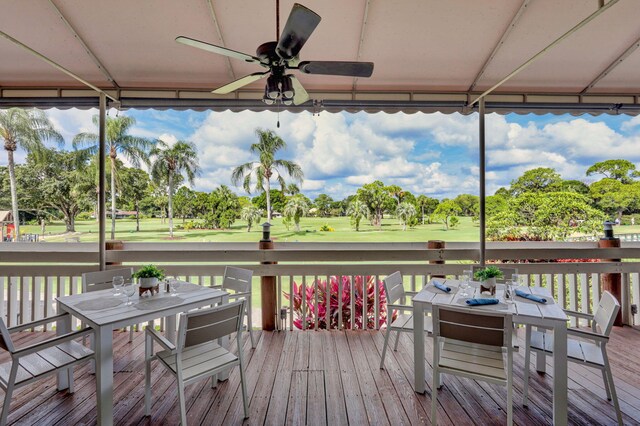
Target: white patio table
(524, 311)
(104, 313)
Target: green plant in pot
(487, 276)
(148, 276)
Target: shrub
(359, 289)
(327, 228)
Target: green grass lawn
(391, 231)
(154, 230)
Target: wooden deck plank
(331, 377)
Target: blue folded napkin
(478, 302)
(531, 296)
(441, 286)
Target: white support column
(482, 161)
(102, 216)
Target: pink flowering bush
(361, 290)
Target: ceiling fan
(281, 56)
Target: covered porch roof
(428, 55)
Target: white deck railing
(33, 274)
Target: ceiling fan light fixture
(287, 87)
(272, 89)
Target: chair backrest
(237, 279)
(393, 287)
(478, 327)
(204, 325)
(605, 313)
(101, 280)
(507, 272)
(5, 338)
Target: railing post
(268, 295)
(612, 282)
(114, 245)
(436, 245)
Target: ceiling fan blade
(216, 49)
(352, 69)
(300, 94)
(241, 82)
(296, 32)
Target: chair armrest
(400, 307)
(51, 342)
(217, 286)
(160, 339)
(37, 323)
(411, 293)
(585, 334)
(578, 314)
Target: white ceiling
(423, 50)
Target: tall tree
(135, 149)
(296, 208)
(171, 161)
(621, 170)
(323, 204)
(27, 130)
(396, 192)
(427, 205)
(291, 189)
(251, 214)
(134, 187)
(446, 210)
(405, 212)
(375, 196)
(266, 167)
(541, 179)
(357, 210)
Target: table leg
(418, 346)
(63, 326)
(560, 393)
(104, 375)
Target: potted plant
(148, 276)
(487, 276)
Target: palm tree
(135, 149)
(251, 214)
(171, 161)
(357, 210)
(405, 211)
(25, 129)
(266, 167)
(296, 208)
(291, 189)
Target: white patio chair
(588, 348)
(472, 344)
(197, 354)
(31, 363)
(238, 280)
(394, 291)
(103, 280)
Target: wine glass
(173, 285)
(117, 283)
(518, 280)
(509, 291)
(129, 290)
(464, 283)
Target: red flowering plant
(360, 290)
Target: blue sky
(432, 154)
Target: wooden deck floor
(330, 378)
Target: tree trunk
(268, 194)
(137, 216)
(70, 222)
(43, 226)
(423, 215)
(14, 195)
(170, 199)
(113, 198)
